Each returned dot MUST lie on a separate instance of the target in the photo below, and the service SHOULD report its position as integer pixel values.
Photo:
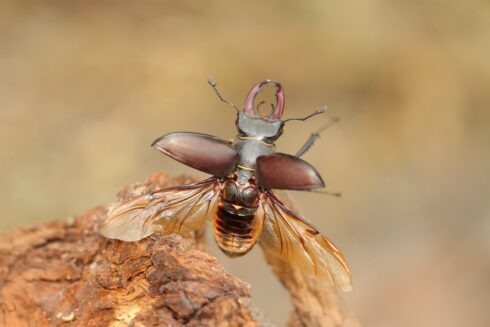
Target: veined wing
(177, 209)
(296, 241)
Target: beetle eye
(230, 192)
(250, 196)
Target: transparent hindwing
(291, 238)
(177, 209)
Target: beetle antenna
(214, 85)
(316, 112)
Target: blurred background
(86, 86)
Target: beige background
(86, 86)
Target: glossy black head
(251, 124)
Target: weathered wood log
(314, 305)
(62, 273)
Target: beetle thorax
(249, 150)
(256, 137)
(240, 198)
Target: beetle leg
(314, 136)
(336, 194)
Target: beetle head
(250, 123)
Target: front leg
(314, 136)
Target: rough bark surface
(62, 273)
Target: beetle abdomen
(235, 234)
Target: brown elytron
(238, 199)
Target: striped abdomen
(235, 233)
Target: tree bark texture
(62, 273)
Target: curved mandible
(278, 109)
